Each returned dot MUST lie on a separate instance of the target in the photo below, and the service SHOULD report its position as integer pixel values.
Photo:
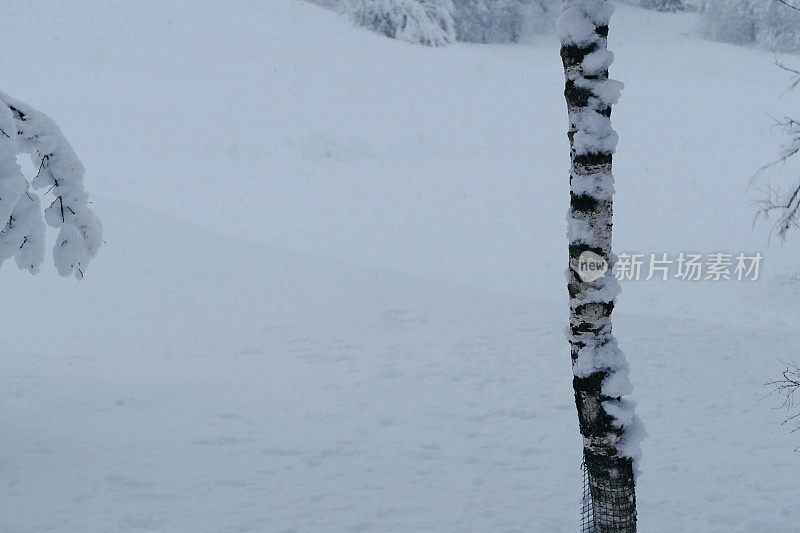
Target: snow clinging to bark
(582, 28)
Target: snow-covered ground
(204, 378)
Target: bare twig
(785, 204)
(787, 387)
(787, 4)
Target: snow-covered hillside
(203, 378)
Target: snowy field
(333, 293)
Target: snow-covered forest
(400, 265)
(769, 24)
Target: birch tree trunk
(608, 424)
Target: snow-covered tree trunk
(609, 427)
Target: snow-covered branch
(58, 171)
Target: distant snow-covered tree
(428, 22)
(439, 22)
(664, 5)
(770, 24)
(607, 420)
(498, 21)
(58, 170)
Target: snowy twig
(26, 130)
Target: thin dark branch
(787, 387)
(786, 205)
(787, 4)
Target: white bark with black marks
(609, 427)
